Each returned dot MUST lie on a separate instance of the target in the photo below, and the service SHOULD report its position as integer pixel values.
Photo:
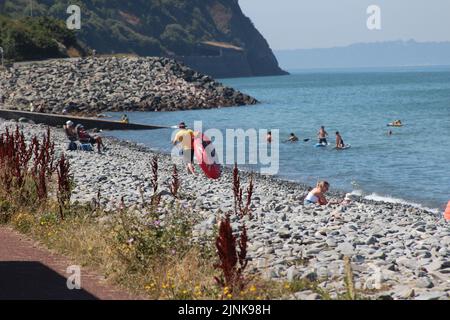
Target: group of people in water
(322, 136)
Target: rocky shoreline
(96, 85)
(396, 251)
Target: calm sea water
(412, 165)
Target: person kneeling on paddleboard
(339, 141)
(186, 137)
(322, 136)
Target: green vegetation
(146, 27)
(36, 38)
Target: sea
(411, 166)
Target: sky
(302, 24)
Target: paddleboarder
(322, 135)
(339, 141)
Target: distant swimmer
(396, 123)
(269, 137)
(292, 138)
(339, 141)
(390, 133)
(322, 135)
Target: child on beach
(185, 137)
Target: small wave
(389, 199)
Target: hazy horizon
(293, 24)
(366, 43)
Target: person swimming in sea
(292, 138)
(269, 137)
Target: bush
(36, 38)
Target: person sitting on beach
(185, 137)
(86, 138)
(71, 132)
(339, 141)
(322, 135)
(317, 195)
(269, 137)
(292, 138)
(124, 119)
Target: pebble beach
(396, 251)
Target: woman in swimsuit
(317, 195)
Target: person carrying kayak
(339, 141)
(185, 137)
(322, 135)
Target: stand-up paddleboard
(321, 145)
(205, 153)
(394, 125)
(347, 146)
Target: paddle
(286, 141)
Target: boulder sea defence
(93, 85)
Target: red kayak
(205, 153)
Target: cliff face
(176, 28)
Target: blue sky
(295, 24)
